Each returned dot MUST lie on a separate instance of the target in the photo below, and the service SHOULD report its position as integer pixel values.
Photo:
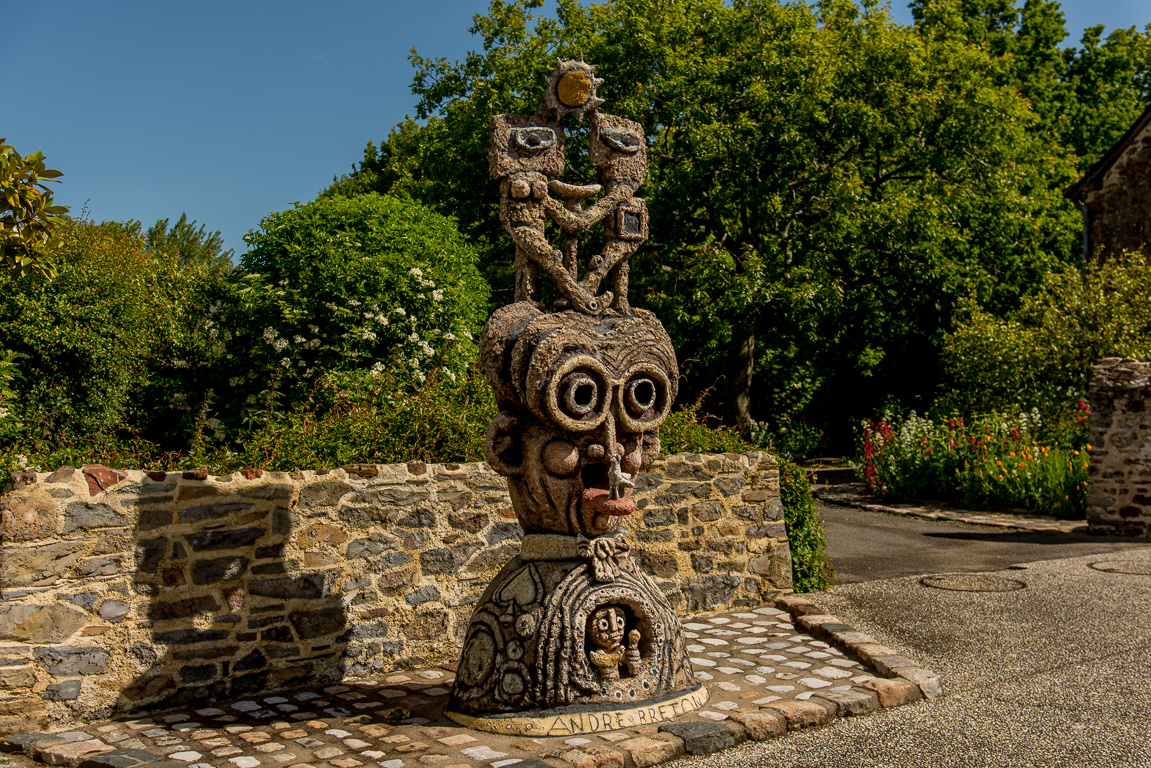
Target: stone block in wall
(39, 623)
(26, 519)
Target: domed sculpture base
(576, 720)
(572, 636)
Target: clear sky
(231, 110)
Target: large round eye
(580, 394)
(640, 396)
(645, 398)
(577, 395)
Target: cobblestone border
(854, 495)
(398, 745)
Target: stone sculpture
(572, 636)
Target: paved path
(1055, 674)
(746, 659)
(857, 495)
(866, 545)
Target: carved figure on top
(524, 151)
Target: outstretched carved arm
(531, 242)
(581, 221)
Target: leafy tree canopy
(1086, 96)
(193, 245)
(361, 284)
(824, 183)
(91, 340)
(28, 217)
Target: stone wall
(1119, 211)
(131, 590)
(1120, 469)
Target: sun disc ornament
(571, 89)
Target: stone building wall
(1119, 210)
(1120, 469)
(131, 590)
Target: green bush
(811, 570)
(354, 418)
(687, 430)
(1042, 354)
(341, 284)
(92, 340)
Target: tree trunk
(740, 370)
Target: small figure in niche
(606, 632)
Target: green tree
(28, 217)
(194, 245)
(1041, 354)
(94, 341)
(1109, 84)
(1085, 96)
(824, 183)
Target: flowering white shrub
(363, 284)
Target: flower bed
(983, 461)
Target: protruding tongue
(599, 501)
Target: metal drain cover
(972, 582)
(1124, 566)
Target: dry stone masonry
(127, 591)
(1120, 469)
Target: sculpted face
(586, 397)
(605, 629)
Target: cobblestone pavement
(764, 675)
(856, 495)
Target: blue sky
(231, 110)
